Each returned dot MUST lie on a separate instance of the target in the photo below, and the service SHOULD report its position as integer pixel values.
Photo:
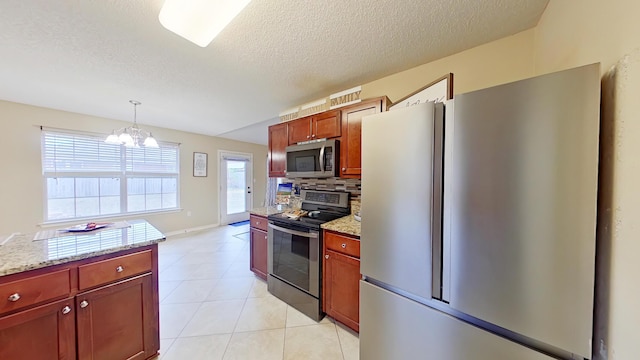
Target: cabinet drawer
(33, 290)
(258, 222)
(342, 244)
(106, 271)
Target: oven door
(293, 256)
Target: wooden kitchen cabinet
(102, 307)
(258, 246)
(351, 139)
(44, 332)
(341, 278)
(117, 321)
(277, 157)
(320, 126)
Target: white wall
(22, 182)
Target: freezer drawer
(393, 327)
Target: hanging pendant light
(132, 136)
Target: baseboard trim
(197, 228)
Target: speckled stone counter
(268, 210)
(346, 225)
(22, 253)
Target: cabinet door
(299, 130)
(351, 140)
(326, 125)
(118, 321)
(341, 288)
(278, 142)
(44, 332)
(259, 253)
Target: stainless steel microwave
(315, 160)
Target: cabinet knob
(119, 269)
(257, 222)
(344, 169)
(66, 310)
(307, 136)
(326, 256)
(314, 135)
(14, 297)
(344, 246)
(265, 237)
(84, 304)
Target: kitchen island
(81, 295)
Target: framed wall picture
(439, 90)
(199, 164)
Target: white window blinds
(86, 178)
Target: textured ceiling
(91, 57)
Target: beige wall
(505, 60)
(577, 32)
(22, 184)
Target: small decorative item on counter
(357, 216)
(283, 194)
(294, 214)
(86, 227)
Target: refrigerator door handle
(449, 128)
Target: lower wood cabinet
(341, 277)
(258, 246)
(114, 316)
(44, 332)
(117, 321)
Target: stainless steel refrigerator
(479, 222)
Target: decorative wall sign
(199, 164)
(438, 91)
(346, 97)
(315, 107)
(290, 114)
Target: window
(85, 177)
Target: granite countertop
(22, 253)
(346, 225)
(268, 210)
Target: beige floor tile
(166, 287)
(263, 345)
(180, 271)
(227, 289)
(349, 342)
(205, 257)
(215, 317)
(314, 342)
(259, 288)
(211, 347)
(165, 344)
(262, 313)
(190, 291)
(296, 318)
(239, 270)
(174, 317)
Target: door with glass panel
(236, 186)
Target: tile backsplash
(331, 184)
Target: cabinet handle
(119, 269)
(344, 246)
(14, 297)
(326, 256)
(66, 310)
(84, 304)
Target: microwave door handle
(294, 232)
(322, 156)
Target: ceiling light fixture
(199, 21)
(132, 136)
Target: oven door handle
(294, 232)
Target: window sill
(137, 215)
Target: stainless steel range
(294, 250)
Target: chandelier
(132, 136)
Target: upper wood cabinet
(319, 126)
(351, 140)
(277, 146)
